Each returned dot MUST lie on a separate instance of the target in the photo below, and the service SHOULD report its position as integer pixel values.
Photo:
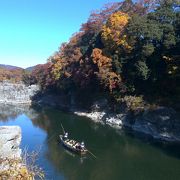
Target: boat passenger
(78, 146)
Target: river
(120, 155)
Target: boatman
(65, 136)
(82, 145)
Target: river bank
(160, 122)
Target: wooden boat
(73, 145)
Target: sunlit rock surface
(160, 123)
(10, 139)
(11, 164)
(18, 93)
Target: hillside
(14, 73)
(30, 69)
(9, 67)
(124, 48)
(11, 73)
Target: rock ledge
(10, 140)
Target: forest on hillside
(125, 48)
(11, 74)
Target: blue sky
(32, 30)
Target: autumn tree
(42, 74)
(107, 77)
(127, 47)
(113, 32)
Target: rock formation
(161, 123)
(10, 140)
(17, 93)
(11, 164)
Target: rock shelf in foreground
(11, 165)
(10, 140)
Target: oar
(63, 129)
(91, 153)
(51, 137)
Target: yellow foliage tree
(113, 31)
(58, 64)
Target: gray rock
(11, 162)
(117, 120)
(10, 140)
(161, 123)
(95, 116)
(19, 93)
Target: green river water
(120, 155)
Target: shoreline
(122, 121)
(162, 123)
(159, 122)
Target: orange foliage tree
(110, 79)
(42, 74)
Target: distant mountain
(30, 69)
(9, 67)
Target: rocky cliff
(17, 93)
(10, 140)
(11, 163)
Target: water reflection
(119, 156)
(11, 112)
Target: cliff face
(11, 164)
(16, 93)
(161, 123)
(10, 140)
